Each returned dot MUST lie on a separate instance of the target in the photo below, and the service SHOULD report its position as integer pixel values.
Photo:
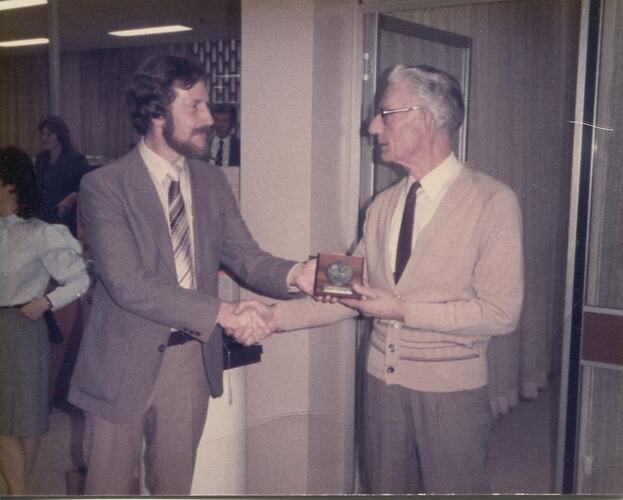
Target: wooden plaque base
(336, 274)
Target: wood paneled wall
(23, 99)
(93, 85)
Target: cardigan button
(161, 348)
(391, 347)
(390, 369)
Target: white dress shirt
(30, 252)
(433, 186)
(214, 150)
(161, 172)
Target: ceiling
(84, 24)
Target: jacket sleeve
(240, 253)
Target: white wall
(296, 196)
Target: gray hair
(439, 90)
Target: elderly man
(160, 224)
(443, 260)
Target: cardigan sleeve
(497, 279)
(306, 313)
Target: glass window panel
(600, 461)
(605, 272)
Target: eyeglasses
(386, 112)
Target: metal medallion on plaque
(336, 274)
(340, 273)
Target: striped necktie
(180, 235)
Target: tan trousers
(172, 424)
(17, 458)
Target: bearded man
(160, 224)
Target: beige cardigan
(462, 284)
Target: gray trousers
(425, 442)
(172, 424)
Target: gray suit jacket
(234, 150)
(137, 299)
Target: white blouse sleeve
(62, 257)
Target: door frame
(576, 262)
(584, 321)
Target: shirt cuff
(293, 288)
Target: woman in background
(59, 168)
(31, 252)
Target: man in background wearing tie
(223, 145)
(160, 224)
(444, 264)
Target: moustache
(205, 130)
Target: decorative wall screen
(221, 59)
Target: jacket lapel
(200, 215)
(149, 204)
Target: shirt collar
(434, 182)
(224, 139)
(158, 167)
(9, 220)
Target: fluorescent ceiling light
(24, 42)
(154, 30)
(18, 4)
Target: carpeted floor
(521, 461)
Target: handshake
(248, 321)
(251, 321)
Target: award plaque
(336, 274)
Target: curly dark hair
(152, 89)
(16, 170)
(225, 107)
(57, 126)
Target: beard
(185, 148)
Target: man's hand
(248, 337)
(35, 308)
(246, 325)
(376, 303)
(304, 276)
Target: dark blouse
(56, 181)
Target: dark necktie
(405, 238)
(219, 154)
